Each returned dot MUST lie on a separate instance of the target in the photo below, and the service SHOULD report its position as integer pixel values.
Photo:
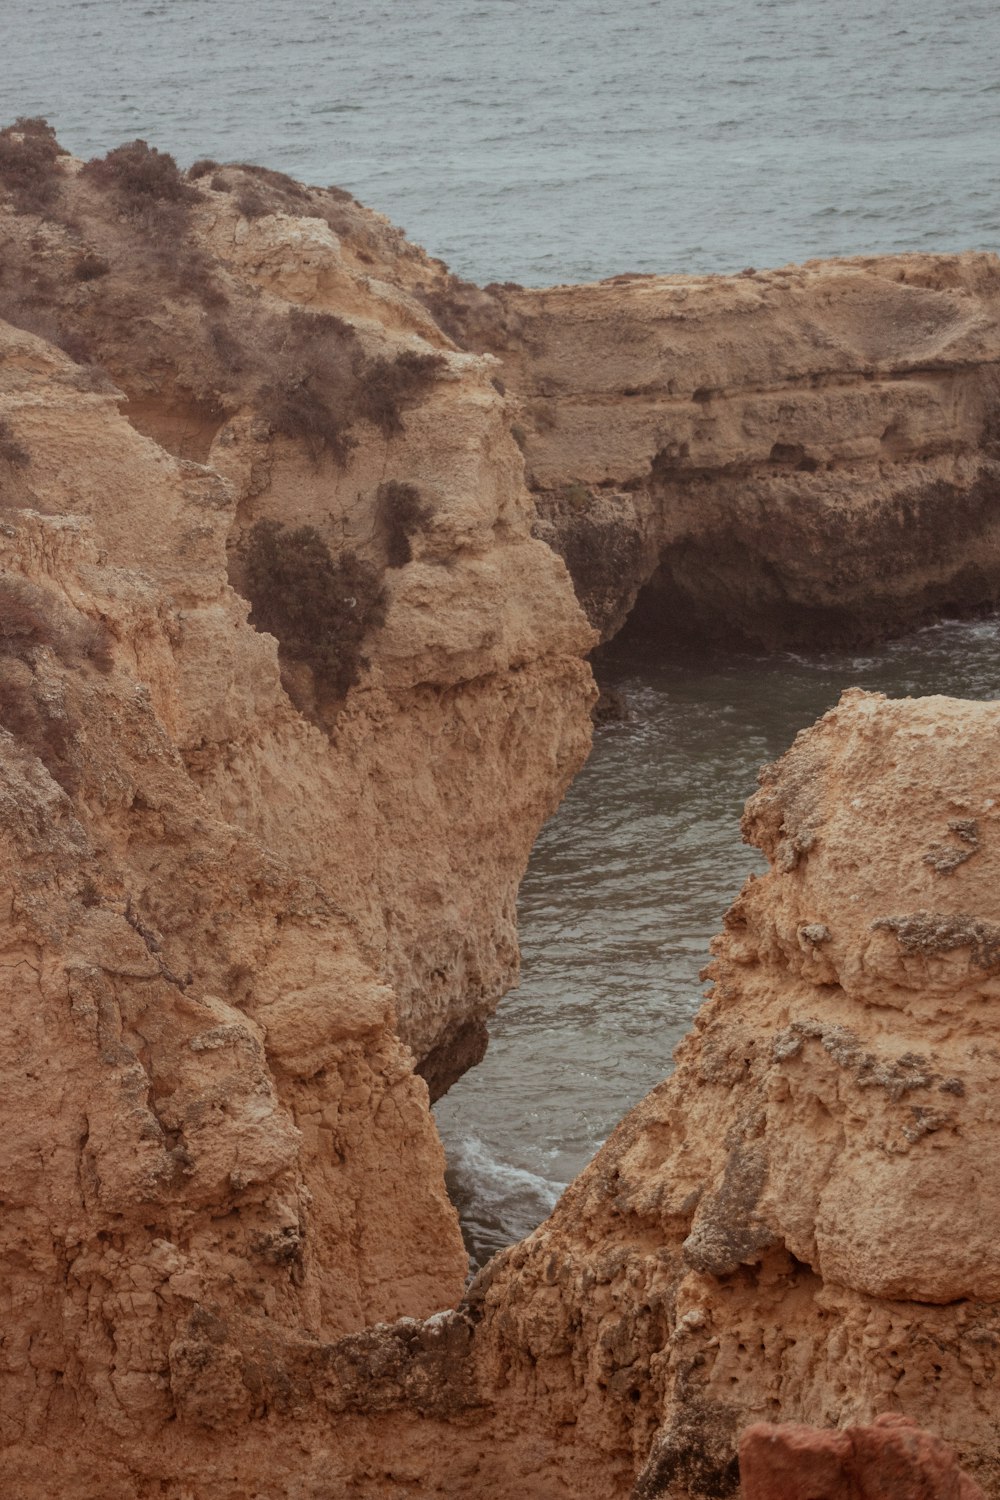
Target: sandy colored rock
(799, 455)
(232, 919)
(244, 897)
(890, 1460)
(796, 1225)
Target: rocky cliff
(253, 875)
(801, 455)
(798, 1224)
(287, 687)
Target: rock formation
(890, 1460)
(801, 455)
(798, 1224)
(287, 687)
(234, 917)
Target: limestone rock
(804, 454)
(797, 1224)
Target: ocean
(545, 141)
(558, 140)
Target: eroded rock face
(890, 1460)
(271, 332)
(234, 920)
(797, 1225)
(800, 455)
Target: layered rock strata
(800, 455)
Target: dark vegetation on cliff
(112, 270)
(319, 607)
(401, 513)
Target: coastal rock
(241, 907)
(890, 1460)
(796, 1225)
(454, 727)
(804, 455)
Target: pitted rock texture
(800, 455)
(797, 1224)
(252, 329)
(890, 1460)
(237, 913)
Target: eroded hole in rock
(187, 429)
(628, 883)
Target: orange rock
(892, 1459)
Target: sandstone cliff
(287, 687)
(248, 884)
(800, 455)
(268, 331)
(799, 1223)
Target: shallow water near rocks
(626, 887)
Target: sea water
(566, 140)
(558, 140)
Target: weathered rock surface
(248, 884)
(890, 1460)
(254, 329)
(232, 920)
(798, 1224)
(805, 454)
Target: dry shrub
(402, 512)
(148, 187)
(386, 387)
(310, 395)
(29, 152)
(202, 167)
(11, 451)
(261, 190)
(90, 267)
(319, 607)
(32, 620)
(251, 203)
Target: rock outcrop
(801, 455)
(287, 687)
(248, 886)
(890, 1460)
(798, 1224)
(270, 332)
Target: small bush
(386, 387)
(148, 186)
(312, 390)
(251, 204)
(139, 171)
(401, 512)
(11, 451)
(90, 267)
(29, 152)
(202, 168)
(319, 607)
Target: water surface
(559, 140)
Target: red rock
(893, 1459)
